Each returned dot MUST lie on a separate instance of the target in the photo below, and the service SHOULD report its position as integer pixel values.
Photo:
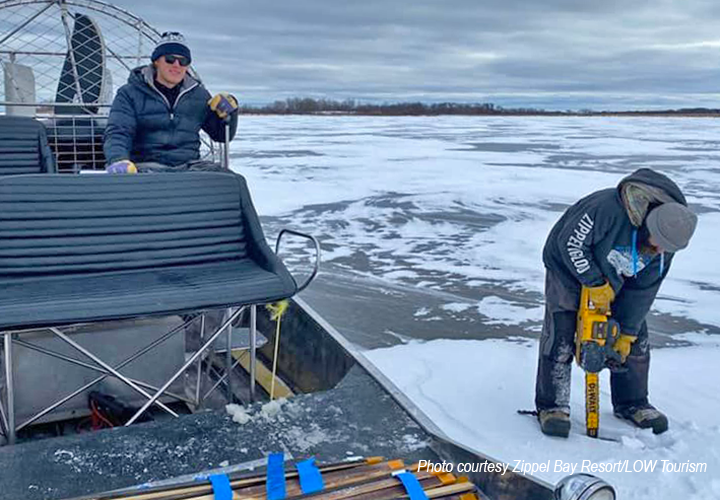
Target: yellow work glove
(121, 167)
(601, 296)
(223, 104)
(623, 345)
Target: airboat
(106, 400)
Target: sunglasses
(181, 59)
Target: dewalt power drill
(595, 337)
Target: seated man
(620, 243)
(156, 117)
(155, 122)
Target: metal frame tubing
(99, 379)
(199, 401)
(253, 350)
(8, 417)
(226, 149)
(10, 391)
(77, 362)
(228, 364)
(187, 364)
(112, 370)
(220, 380)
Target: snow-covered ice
(456, 202)
(473, 389)
(459, 207)
(501, 311)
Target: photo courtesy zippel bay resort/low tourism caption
(586, 466)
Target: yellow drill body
(594, 336)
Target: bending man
(618, 242)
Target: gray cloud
(555, 54)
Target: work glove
(623, 345)
(223, 105)
(601, 296)
(121, 167)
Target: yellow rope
(276, 312)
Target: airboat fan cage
(79, 51)
(62, 62)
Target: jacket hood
(645, 188)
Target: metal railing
(61, 63)
(76, 138)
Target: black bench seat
(100, 247)
(24, 147)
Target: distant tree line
(668, 112)
(311, 106)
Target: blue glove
(223, 104)
(121, 167)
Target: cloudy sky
(555, 54)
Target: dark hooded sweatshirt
(144, 126)
(597, 240)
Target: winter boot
(644, 416)
(554, 422)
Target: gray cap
(671, 226)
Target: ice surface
(460, 207)
(505, 312)
(446, 202)
(473, 389)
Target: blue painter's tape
(221, 487)
(412, 486)
(275, 484)
(311, 480)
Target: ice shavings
(272, 408)
(267, 411)
(295, 430)
(139, 456)
(305, 439)
(238, 414)
(473, 389)
(412, 443)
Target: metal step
(240, 340)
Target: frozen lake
(432, 231)
(433, 227)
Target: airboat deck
(355, 412)
(355, 418)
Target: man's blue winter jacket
(144, 127)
